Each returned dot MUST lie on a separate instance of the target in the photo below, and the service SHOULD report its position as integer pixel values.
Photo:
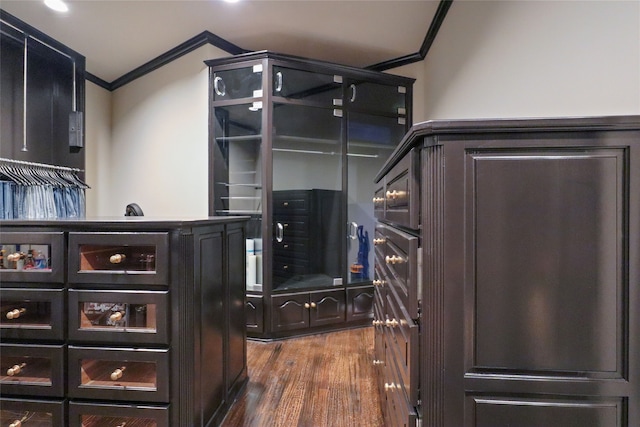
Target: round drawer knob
(118, 315)
(377, 323)
(16, 423)
(389, 386)
(15, 313)
(117, 374)
(378, 241)
(306, 305)
(117, 258)
(391, 323)
(393, 259)
(378, 362)
(378, 282)
(15, 369)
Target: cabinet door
(290, 311)
(326, 308)
(307, 196)
(32, 257)
(323, 89)
(255, 313)
(371, 139)
(243, 82)
(25, 412)
(377, 97)
(359, 303)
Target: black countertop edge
(123, 222)
(513, 125)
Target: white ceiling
(118, 36)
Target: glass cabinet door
(323, 89)
(307, 197)
(238, 83)
(376, 97)
(370, 141)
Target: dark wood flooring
(323, 380)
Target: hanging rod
(40, 165)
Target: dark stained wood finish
(313, 381)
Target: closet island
(129, 320)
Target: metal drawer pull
(378, 241)
(395, 194)
(313, 305)
(389, 386)
(15, 313)
(306, 305)
(117, 258)
(279, 81)
(279, 232)
(16, 369)
(393, 259)
(285, 204)
(219, 86)
(391, 323)
(377, 322)
(118, 315)
(117, 374)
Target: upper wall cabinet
(295, 144)
(43, 92)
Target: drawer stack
(121, 324)
(32, 328)
(397, 292)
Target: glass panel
(307, 86)
(24, 418)
(238, 176)
(118, 258)
(307, 184)
(25, 257)
(118, 374)
(377, 97)
(371, 139)
(117, 316)
(20, 313)
(25, 370)
(104, 421)
(239, 83)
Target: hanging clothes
(38, 191)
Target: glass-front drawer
(83, 414)
(118, 316)
(119, 258)
(245, 82)
(34, 314)
(119, 374)
(31, 413)
(31, 257)
(32, 370)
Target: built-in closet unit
(295, 144)
(508, 272)
(42, 127)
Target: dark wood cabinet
(295, 144)
(140, 321)
(307, 310)
(524, 237)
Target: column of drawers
(397, 295)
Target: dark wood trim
(97, 80)
(436, 23)
(190, 45)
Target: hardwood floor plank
(324, 380)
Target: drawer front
(401, 261)
(293, 227)
(32, 370)
(292, 248)
(403, 342)
(400, 412)
(378, 201)
(32, 314)
(32, 257)
(119, 374)
(27, 412)
(82, 414)
(402, 192)
(138, 317)
(290, 203)
(119, 258)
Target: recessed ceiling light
(57, 5)
(232, 1)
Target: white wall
(535, 59)
(157, 153)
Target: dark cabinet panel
(255, 314)
(295, 311)
(528, 247)
(359, 303)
